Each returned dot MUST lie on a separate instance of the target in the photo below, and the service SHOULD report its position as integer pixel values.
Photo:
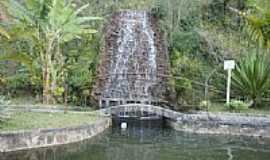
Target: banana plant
(49, 24)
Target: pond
(151, 140)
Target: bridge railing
(130, 110)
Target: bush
(4, 115)
(251, 77)
(159, 10)
(4, 101)
(204, 105)
(188, 69)
(237, 105)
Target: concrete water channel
(152, 132)
(154, 139)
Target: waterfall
(133, 61)
(133, 67)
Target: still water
(147, 140)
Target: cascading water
(133, 57)
(133, 69)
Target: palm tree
(251, 77)
(258, 28)
(46, 25)
(257, 17)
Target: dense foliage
(43, 29)
(53, 42)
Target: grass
(28, 101)
(218, 107)
(31, 120)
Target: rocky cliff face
(133, 61)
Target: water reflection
(151, 141)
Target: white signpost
(229, 65)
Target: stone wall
(203, 122)
(223, 123)
(13, 141)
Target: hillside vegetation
(50, 49)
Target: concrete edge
(204, 122)
(39, 138)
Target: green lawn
(31, 120)
(221, 108)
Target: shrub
(237, 105)
(159, 10)
(3, 109)
(204, 105)
(187, 69)
(3, 100)
(251, 77)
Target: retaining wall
(13, 141)
(198, 122)
(223, 123)
(204, 122)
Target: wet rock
(133, 58)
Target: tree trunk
(53, 85)
(47, 74)
(46, 85)
(66, 97)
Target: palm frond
(78, 11)
(4, 33)
(257, 30)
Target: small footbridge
(194, 119)
(141, 111)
